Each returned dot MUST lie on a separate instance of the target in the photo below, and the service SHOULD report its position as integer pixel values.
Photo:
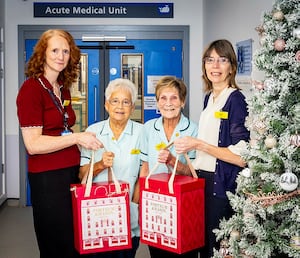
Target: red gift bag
(172, 211)
(101, 215)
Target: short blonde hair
(118, 84)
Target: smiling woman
(221, 136)
(46, 118)
(120, 137)
(158, 135)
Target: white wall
(232, 19)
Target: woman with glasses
(120, 137)
(221, 137)
(158, 133)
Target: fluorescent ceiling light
(102, 38)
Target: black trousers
(52, 211)
(215, 209)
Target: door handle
(95, 103)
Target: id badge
(66, 132)
(221, 114)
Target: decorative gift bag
(172, 210)
(101, 215)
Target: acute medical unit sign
(104, 10)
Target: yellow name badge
(160, 146)
(135, 151)
(66, 103)
(221, 114)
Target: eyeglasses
(116, 102)
(212, 60)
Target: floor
(17, 239)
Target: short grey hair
(123, 84)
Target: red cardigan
(36, 108)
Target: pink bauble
(279, 44)
(297, 56)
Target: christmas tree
(266, 222)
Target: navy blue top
(232, 130)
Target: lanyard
(57, 104)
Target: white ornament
(270, 142)
(288, 181)
(235, 234)
(296, 32)
(246, 172)
(278, 15)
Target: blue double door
(142, 61)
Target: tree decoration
(235, 234)
(295, 140)
(262, 37)
(296, 32)
(270, 142)
(246, 172)
(260, 126)
(295, 242)
(224, 247)
(278, 15)
(258, 85)
(266, 200)
(288, 181)
(266, 205)
(279, 44)
(297, 56)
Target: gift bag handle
(171, 180)
(89, 178)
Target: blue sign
(244, 57)
(104, 10)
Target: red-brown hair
(35, 65)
